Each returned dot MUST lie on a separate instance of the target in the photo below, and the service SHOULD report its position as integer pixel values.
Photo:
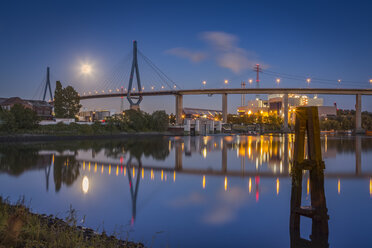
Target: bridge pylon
(134, 101)
(47, 86)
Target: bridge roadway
(210, 172)
(225, 91)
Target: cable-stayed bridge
(137, 76)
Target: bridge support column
(179, 108)
(224, 108)
(285, 110)
(358, 115)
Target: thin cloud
(228, 54)
(220, 40)
(193, 56)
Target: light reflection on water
(199, 191)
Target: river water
(206, 191)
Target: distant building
(43, 109)
(90, 116)
(194, 113)
(254, 106)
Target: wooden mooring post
(307, 128)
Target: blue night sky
(190, 42)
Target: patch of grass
(21, 228)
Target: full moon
(86, 69)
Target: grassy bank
(21, 228)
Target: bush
(18, 118)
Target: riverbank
(49, 137)
(19, 227)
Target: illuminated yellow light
(203, 182)
(226, 81)
(143, 173)
(83, 165)
(53, 159)
(162, 174)
(85, 185)
(125, 170)
(152, 174)
(102, 169)
(250, 81)
(134, 172)
(95, 168)
(110, 169)
(370, 187)
(174, 176)
(308, 80)
(117, 170)
(204, 82)
(277, 186)
(278, 80)
(338, 186)
(88, 166)
(250, 185)
(225, 183)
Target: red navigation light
(121, 160)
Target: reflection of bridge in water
(183, 146)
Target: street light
(339, 81)
(204, 83)
(250, 81)
(308, 80)
(370, 81)
(226, 81)
(278, 81)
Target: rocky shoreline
(19, 227)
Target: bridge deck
(325, 91)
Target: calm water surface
(211, 191)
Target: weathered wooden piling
(307, 128)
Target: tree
(159, 121)
(19, 117)
(59, 109)
(66, 101)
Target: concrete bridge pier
(285, 110)
(179, 107)
(224, 108)
(358, 115)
